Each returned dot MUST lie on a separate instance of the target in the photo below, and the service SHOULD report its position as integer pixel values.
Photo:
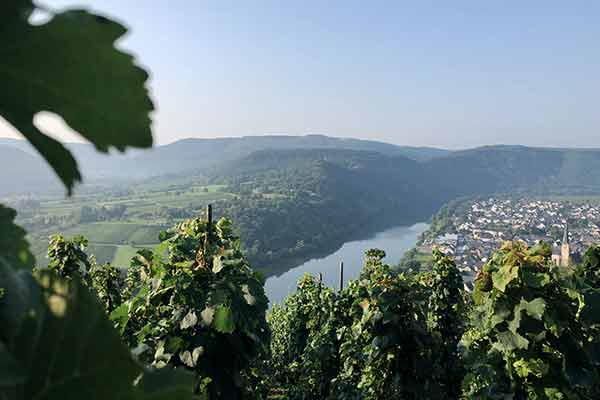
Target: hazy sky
(438, 73)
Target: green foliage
(70, 66)
(386, 349)
(105, 280)
(68, 257)
(445, 312)
(197, 305)
(526, 340)
(591, 266)
(384, 336)
(590, 273)
(56, 343)
(304, 346)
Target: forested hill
(486, 168)
(292, 204)
(482, 170)
(196, 154)
(297, 204)
(516, 168)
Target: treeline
(323, 198)
(529, 330)
(101, 213)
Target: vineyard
(530, 330)
(189, 318)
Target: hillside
(290, 205)
(189, 155)
(293, 204)
(482, 170)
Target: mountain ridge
(492, 167)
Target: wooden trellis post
(208, 226)
(209, 215)
(341, 276)
(320, 303)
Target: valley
(289, 203)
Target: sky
(424, 73)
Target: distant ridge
(195, 154)
(479, 170)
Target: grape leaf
(504, 276)
(69, 66)
(223, 320)
(508, 341)
(57, 334)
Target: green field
(123, 255)
(113, 233)
(149, 207)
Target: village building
(562, 257)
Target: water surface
(395, 241)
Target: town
(471, 230)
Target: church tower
(565, 251)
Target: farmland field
(112, 233)
(117, 220)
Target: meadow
(118, 220)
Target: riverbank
(394, 241)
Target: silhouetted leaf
(66, 347)
(70, 66)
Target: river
(395, 241)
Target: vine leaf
(223, 321)
(69, 66)
(508, 341)
(56, 342)
(504, 276)
(14, 249)
(189, 320)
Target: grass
(117, 241)
(113, 233)
(123, 255)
